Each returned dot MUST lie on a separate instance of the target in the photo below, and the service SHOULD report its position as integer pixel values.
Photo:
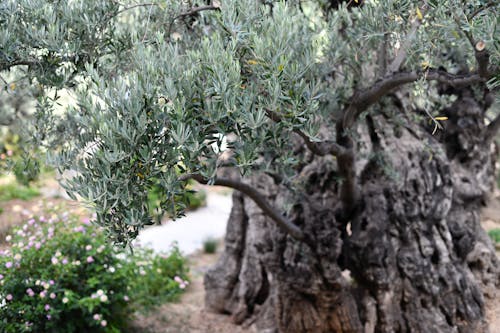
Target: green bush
(495, 235)
(61, 275)
(14, 191)
(210, 245)
(197, 199)
(147, 282)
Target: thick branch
(32, 61)
(361, 100)
(483, 59)
(257, 197)
(10, 64)
(196, 10)
(319, 148)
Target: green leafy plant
(14, 191)
(61, 275)
(495, 235)
(155, 279)
(210, 245)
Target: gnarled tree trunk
(413, 257)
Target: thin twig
(147, 25)
(190, 12)
(382, 55)
(135, 6)
(109, 16)
(6, 83)
(257, 197)
(482, 8)
(395, 65)
(319, 148)
(467, 34)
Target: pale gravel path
(192, 230)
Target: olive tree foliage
(174, 90)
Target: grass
(15, 191)
(495, 235)
(210, 245)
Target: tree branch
(361, 100)
(395, 65)
(483, 59)
(482, 8)
(196, 10)
(319, 148)
(135, 6)
(7, 65)
(382, 55)
(191, 12)
(257, 197)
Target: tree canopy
(168, 91)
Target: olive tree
(358, 135)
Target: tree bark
(412, 259)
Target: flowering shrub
(63, 276)
(147, 272)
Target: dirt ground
(189, 315)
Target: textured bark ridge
(417, 256)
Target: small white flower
(104, 298)
(65, 300)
